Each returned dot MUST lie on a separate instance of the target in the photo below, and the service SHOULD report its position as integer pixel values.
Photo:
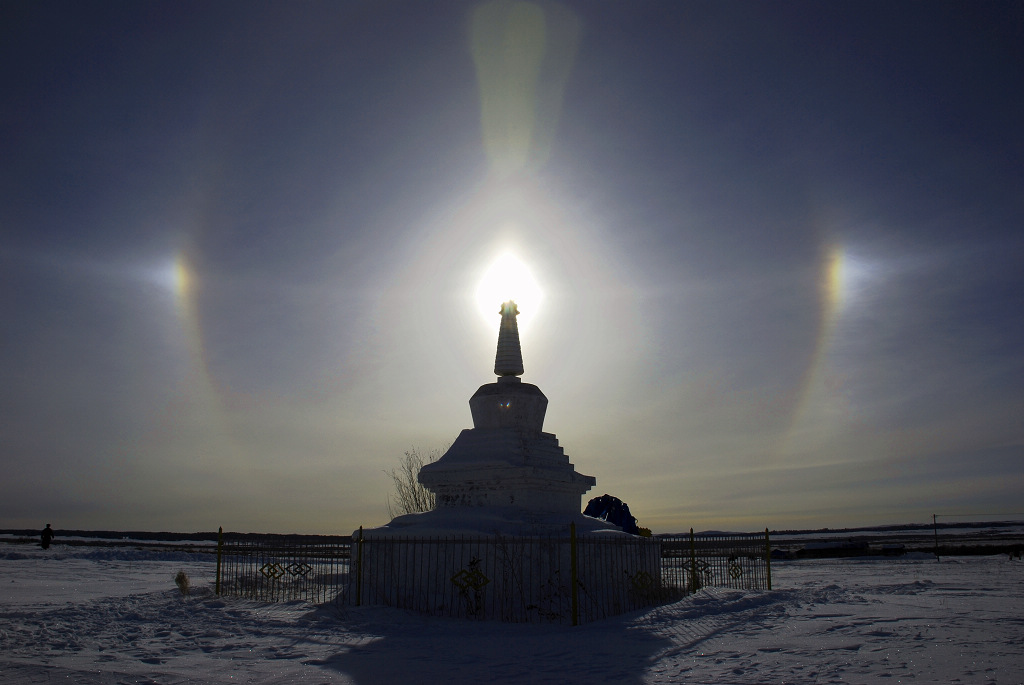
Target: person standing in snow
(46, 536)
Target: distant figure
(47, 535)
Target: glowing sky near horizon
(768, 256)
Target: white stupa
(506, 538)
(505, 475)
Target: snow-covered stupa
(506, 538)
(505, 475)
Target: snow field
(86, 615)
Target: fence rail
(557, 579)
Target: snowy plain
(114, 615)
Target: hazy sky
(778, 249)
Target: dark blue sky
(779, 247)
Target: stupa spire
(508, 362)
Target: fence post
(220, 546)
(574, 575)
(693, 564)
(359, 568)
(768, 557)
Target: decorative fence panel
(740, 561)
(515, 579)
(564, 579)
(280, 568)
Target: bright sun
(505, 279)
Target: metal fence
(280, 568)
(562, 579)
(740, 561)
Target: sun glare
(507, 278)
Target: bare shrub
(409, 496)
(182, 581)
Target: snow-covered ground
(95, 615)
